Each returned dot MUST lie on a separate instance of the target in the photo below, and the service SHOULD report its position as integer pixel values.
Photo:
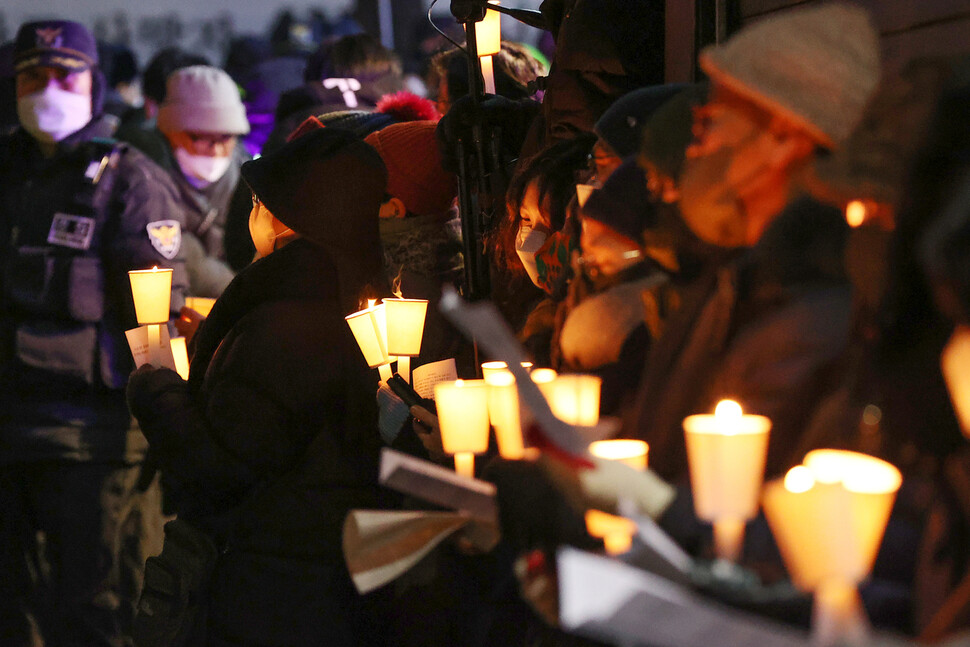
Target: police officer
(78, 210)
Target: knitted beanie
(204, 99)
(414, 171)
(622, 122)
(623, 203)
(816, 66)
(669, 130)
(391, 109)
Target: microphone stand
(481, 180)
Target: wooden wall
(908, 28)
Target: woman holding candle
(274, 436)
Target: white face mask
(527, 243)
(955, 365)
(52, 114)
(202, 167)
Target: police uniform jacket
(71, 226)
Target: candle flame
(396, 284)
(543, 375)
(459, 382)
(799, 479)
(855, 213)
(371, 302)
(155, 269)
(727, 410)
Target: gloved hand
(429, 433)
(153, 393)
(513, 118)
(533, 512)
(392, 413)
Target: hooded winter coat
(267, 446)
(274, 437)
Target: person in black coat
(274, 437)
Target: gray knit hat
(816, 66)
(204, 99)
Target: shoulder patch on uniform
(166, 237)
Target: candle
(181, 355)
(726, 456)
(488, 74)
(489, 368)
(405, 330)
(616, 532)
(574, 398)
(463, 419)
(630, 452)
(488, 33)
(151, 291)
(855, 213)
(202, 305)
(503, 412)
(828, 517)
(543, 375)
(369, 329)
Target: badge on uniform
(166, 237)
(75, 232)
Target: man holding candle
(78, 212)
(768, 327)
(274, 436)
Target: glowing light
(855, 213)
(543, 375)
(727, 410)
(630, 452)
(488, 33)
(799, 479)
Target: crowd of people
(792, 233)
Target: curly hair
(554, 171)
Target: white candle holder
(405, 331)
(370, 330)
(574, 398)
(462, 408)
(151, 291)
(828, 517)
(630, 452)
(726, 454)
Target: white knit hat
(816, 66)
(204, 99)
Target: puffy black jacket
(278, 417)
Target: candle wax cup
(463, 415)
(503, 412)
(151, 291)
(727, 464)
(404, 319)
(367, 327)
(630, 452)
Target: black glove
(533, 513)
(511, 118)
(742, 588)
